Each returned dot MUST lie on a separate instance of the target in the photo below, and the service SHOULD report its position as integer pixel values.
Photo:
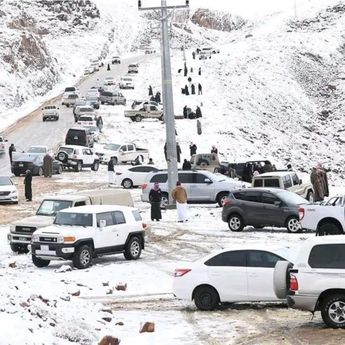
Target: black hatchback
(262, 207)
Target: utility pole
(168, 101)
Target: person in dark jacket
(191, 70)
(111, 171)
(198, 112)
(186, 91)
(28, 185)
(155, 197)
(189, 79)
(185, 114)
(192, 89)
(186, 165)
(108, 68)
(214, 149)
(48, 165)
(199, 71)
(193, 54)
(199, 89)
(192, 148)
(185, 70)
(150, 91)
(11, 149)
(158, 97)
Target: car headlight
(60, 239)
(14, 192)
(35, 238)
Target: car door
(121, 228)
(123, 153)
(227, 273)
(260, 268)
(202, 188)
(271, 211)
(138, 174)
(131, 154)
(252, 207)
(87, 157)
(296, 186)
(106, 236)
(186, 180)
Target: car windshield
(291, 198)
(5, 181)
(70, 89)
(92, 128)
(86, 118)
(50, 107)
(86, 110)
(35, 149)
(112, 147)
(51, 207)
(69, 218)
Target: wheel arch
(87, 241)
(327, 293)
(328, 220)
(205, 285)
(139, 234)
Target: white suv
(317, 280)
(85, 232)
(77, 157)
(50, 112)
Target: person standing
(185, 113)
(185, 70)
(192, 148)
(158, 97)
(111, 171)
(150, 91)
(11, 149)
(199, 71)
(186, 92)
(199, 89)
(108, 68)
(214, 149)
(193, 54)
(186, 165)
(319, 180)
(48, 165)
(28, 185)
(155, 197)
(198, 112)
(179, 194)
(192, 89)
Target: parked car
(137, 104)
(50, 112)
(242, 169)
(83, 109)
(205, 161)
(88, 70)
(2, 144)
(8, 190)
(21, 231)
(71, 90)
(316, 280)
(112, 97)
(145, 112)
(77, 157)
(201, 186)
(94, 66)
(242, 274)
(109, 81)
(134, 176)
(115, 60)
(126, 83)
(34, 163)
(94, 130)
(82, 233)
(93, 101)
(133, 68)
(69, 99)
(79, 136)
(262, 207)
(286, 180)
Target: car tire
(203, 163)
(79, 166)
(44, 120)
(137, 118)
(127, 183)
(235, 222)
(293, 225)
(281, 278)
(206, 298)
(62, 157)
(221, 198)
(310, 196)
(82, 257)
(328, 229)
(333, 310)
(40, 171)
(164, 200)
(133, 248)
(216, 170)
(19, 248)
(60, 169)
(39, 262)
(95, 166)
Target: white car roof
(74, 147)
(276, 173)
(98, 209)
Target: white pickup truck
(122, 153)
(21, 231)
(2, 144)
(147, 111)
(327, 218)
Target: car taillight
(179, 272)
(301, 212)
(227, 202)
(144, 186)
(293, 283)
(144, 226)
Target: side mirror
(208, 181)
(277, 203)
(102, 223)
(300, 181)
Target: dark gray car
(261, 207)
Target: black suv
(262, 207)
(79, 136)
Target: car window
(161, 178)
(327, 256)
(152, 107)
(119, 218)
(233, 258)
(123, 148)
(258, 182)
(253, 196)
(295, 179)
(136, 215)
(80, 203)
(260, 258)
(272, 182)
(240, 195)
(287, 181)
(185, 178)
(269, 198)
(130, 147)
(107, 216)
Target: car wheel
(206, 298)
(333, 311)
(137, 118)
(310, 196)
(328, 229)
(60, 169)
(281, 278)
(164, 200)
(79, 166)
(39, 262)
(19, 248)
(203, 164)
(235, 222)
(133, 249)
(127, 183)
(293, 225)
(221, 197)
(62, 157)
(40, 171)
(44, 120)
(95, 166)
(82, 257)
(216, 170)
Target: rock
(24, 305)
(12, 264)
(66, 298)
(109, 292)
(109, 340)
(107, 311)
(121, 287)
(105, 283)
(107, 319)
(147, 327)
(76, 293)
(120, 323)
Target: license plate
(22, 238)
(45, 249)
(21, 164)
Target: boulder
(148, 327)
(109, 340)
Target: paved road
(31, 130)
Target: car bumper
(181, 291)
(302, 302)
(9, 198)
(13, 237)
(54, 251)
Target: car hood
(8, 188)
(37, 221)
(64, 230)
(27, 157)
